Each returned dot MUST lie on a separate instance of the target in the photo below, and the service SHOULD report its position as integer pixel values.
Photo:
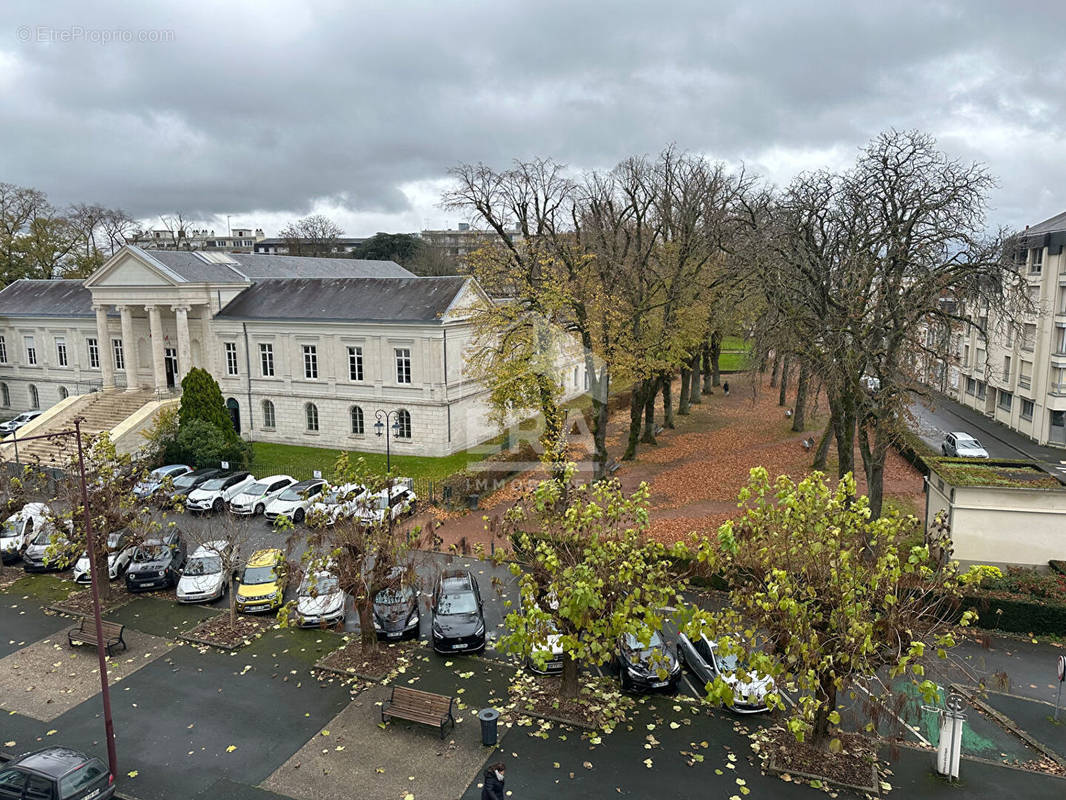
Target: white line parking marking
(688, 683)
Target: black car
(56, 773)
(458, 619)
(647, 667)
(396, 614)
(183, 484)
(157, 563)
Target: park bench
(417, 706)
(85, 633)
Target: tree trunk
(368, 638)
(783, 394)
(776, 371)
(682, 398)
(828, 691)
(873, 461)
(798, 421)
(842, 412)
(636, 414)
(822, 453)
(651, 390)
(716, 352)
(232, 591)
(103, 576)
(568, 686)
(668, 406)
(600, 388)
(694, 385)
(706, 353)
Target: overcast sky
(270, 110)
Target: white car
(339, 501)
(702, 657)
(213, 494)
(203, 578)
(120, 547)
(18, 530)
(253, 499)
(294, 501)
(319, 600)
(378, 507)
(961, 445)
(36, 556)
(153, 482)
(13, 425)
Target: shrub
(1029, 582)
(201, 444)
(201, 399)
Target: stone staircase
(99, 411)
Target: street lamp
(383, 427)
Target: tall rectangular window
(120, 354)
(310, 361)
(61, 351)
(31, 351)
(231, 358)
(1006, 368)
(1036, 260)
(266, 359)
(94, 353)
(3, 350)
(1027, 409)
(1029, 337)
(355, 363)
(403, 365)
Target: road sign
(316, 474)
(225, 465)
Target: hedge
(1018, 615)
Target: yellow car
(262, 582)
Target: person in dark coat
(725, 387)
(493, 786)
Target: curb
(1009, 724)
(522, 712)
(873, 789)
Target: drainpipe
(447, 402)
(248, 372)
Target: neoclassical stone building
(306, 350)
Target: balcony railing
(1024, 383)
(1057, 389)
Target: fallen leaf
(231, 748)
(133, 773)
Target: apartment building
(1017, 375)
(237, 240)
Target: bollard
(488, 717)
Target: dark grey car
(184, 484)
(56, 773)
(458, 618)
(157, 564)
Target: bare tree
(315, 235)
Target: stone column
(158, 369)
(129, 348)
(181, 314)
(103, 347)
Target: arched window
(6, 394)
(268, 414)
(63, 393)
(357, 421)
(35, 399)
(403, 424)
(311, 412)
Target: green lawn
(300, 462)
(734, 343)
(732, 362)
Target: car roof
(962, 435)
(307, 484)
(457, 580)
(205, 471)
(209, 549)
(165, 470)
(264, 558)
(272, 478)
(53, 761)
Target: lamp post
(382, 426)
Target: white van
(19, 529)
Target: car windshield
(634, 645)
(150, 552)
(185, 481)
(292, 493)
(969, 444)
(395, 597)
(213, 485)
(44, 536)
(114, 540)
(12, 527)
(255, 489)
(204, 565)
(381, 503)
(257, 575)
(464, 603)
(322, 583)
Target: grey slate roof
(345, 299)
(188, 266)
(1051, 233)
(1056, 223)
(58, 298)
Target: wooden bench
(416, 706)
(85, 633)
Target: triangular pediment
(131, 266)
(466, 301)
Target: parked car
(184, 484)
(961, 445)
(377, 507)
(253, 499)
(396, 612)
(155, 479)
(120, 548)
(319, 600)
(17, 532)
(707, 663)
(13, 425)
(262, 582)
(157, 563)
(336, 502)
(203, 578)
(56, 773)
(553, 657)
(214, 493)
(458, 616)
(49, 549)
(294, 501)
(647, 667)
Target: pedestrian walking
(493, 786)
(725, 387)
